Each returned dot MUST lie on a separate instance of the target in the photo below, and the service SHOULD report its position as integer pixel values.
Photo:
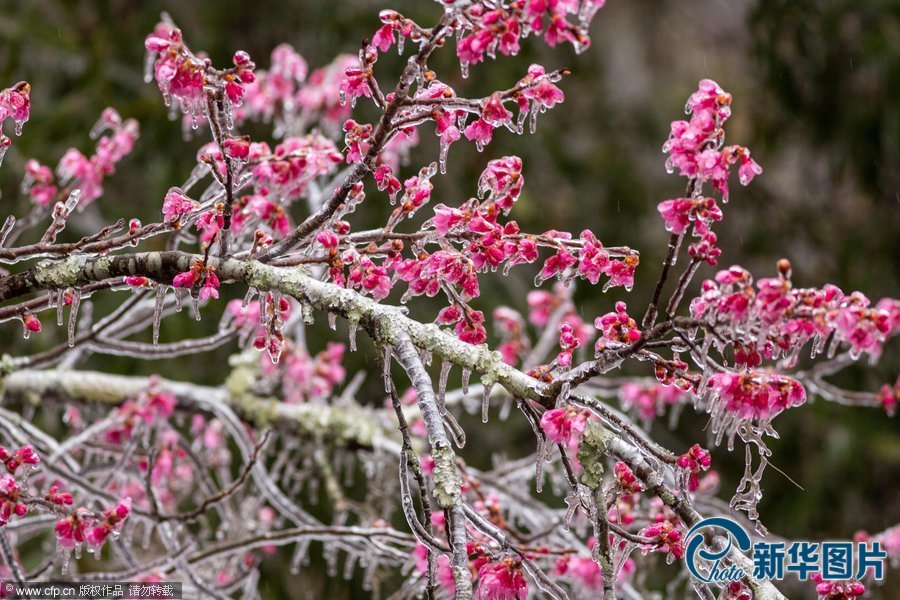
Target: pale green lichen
(591, 453)
(447, 481)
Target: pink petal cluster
(306, 378)
(182, 76)
(10, 505)
(694, 146)
(790, 317)
(626, 479)
(501, 580)
(112, 522)
(24, 456)
(617, 328)
(693, 462)
(176, 204)
(510, 326)
(15, 102)
(837, 590)
(499, 29)
(563, 425)
(152, 406)
(649, 400)
(755, 395)
(665, 538)
(568, 341)
(77, 171)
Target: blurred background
(816, 86)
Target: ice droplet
(442, 385)
(354, 326)
(486, 402)
(157, 311)
(442, 157)
(73, 316)
(466, 373)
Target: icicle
(307, 312)
(349, 566)
(464, 69)
(330, 554)
(543, 453)
(195, 305)
(73, 316)
(149, 60)
(442, 385)
(72, 201)
(248, 297)
(4, 146)
(157, 311)
(7, 226)
(64, 556)
(466, 373)
(60, 306)
(486, 401)
(332, 321)
(457, 433)
(442, 157)
(177, 292)
(300, 557)
(353, 327)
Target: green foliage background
(815, 84)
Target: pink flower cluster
(568, 342)
(695, 147)
(787, 317)
(15, 103)
(77, 171)
(499, 29)
(296, 162)
(81, 527)
(274, 92)
(184, 76)
(510, 326)
(199, 272)
(616, 328)
(649, 400)
(693, 462)
(150, 407)
(10, 503)
(628, 483)
(837, 590)
(754, 395)
(501, 580)
(21, 457)
(564, 425)
(889, 397)
(542, 305)
(665, 538)
(305, 378)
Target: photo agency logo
(832, 561)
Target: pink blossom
(562, 425)
(15, 102)
(666, 538)
(617, 327)
(693, 462)
(501, 580)
(9, 499)
(176, 204)
(480, 132)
